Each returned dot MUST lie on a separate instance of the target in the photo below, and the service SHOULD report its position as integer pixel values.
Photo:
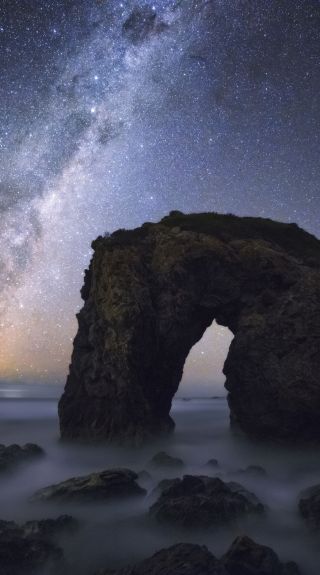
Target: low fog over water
(117, 534)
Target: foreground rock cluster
(150, 294)
(189, 502)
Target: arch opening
(203, 369)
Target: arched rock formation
(150, 294)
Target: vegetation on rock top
(288, 236)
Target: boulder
(11, 455)
(201, 501)
(103, 485)
(245, 557)
(150, 294)
(162, 459)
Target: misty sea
(113, 535)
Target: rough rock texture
(309, 506)
(245, 557)
(25, 549)
(150, 294)
(11, 455)
(104, 485)
(201, 501)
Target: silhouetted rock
(103, 485)
(245, 557)
(150, 294)
(200, 501)
(25, 549)
(309, 506)
(180, 559)
(11, 455)
(162, 459)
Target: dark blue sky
(113, 113)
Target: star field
(114, 113)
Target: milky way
(114, 113)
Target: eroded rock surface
(150, 294)
(201, 501)
(104, 485)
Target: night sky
(114, 113)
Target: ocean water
(113, 535)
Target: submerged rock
(11, 455)
(309, 506)
(245, 557)
(162, 459)
(151, 293)
(180, 559)
(201, 501)
(103, 485)
(25, 549)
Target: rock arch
(150, 294)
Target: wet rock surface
(201, 501)
(11, 455)
(309, 506)
(28, 548)
(244, 557)
(150, 294)
(106, 485)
